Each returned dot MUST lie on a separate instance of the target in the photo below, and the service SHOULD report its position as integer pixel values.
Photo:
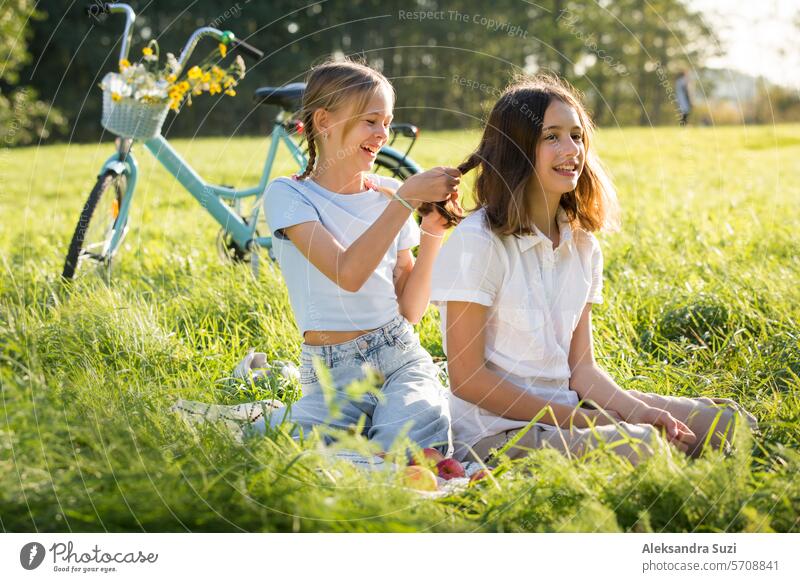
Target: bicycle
(103, 222)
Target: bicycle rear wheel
(390, 164)
(99, 220)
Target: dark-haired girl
(515, 285)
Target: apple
(427, 457)
(450, 469)
(478, 475)
(419, 478)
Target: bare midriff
(324, 338)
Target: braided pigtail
(308, 122)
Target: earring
(325, 135)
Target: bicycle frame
(210, 196)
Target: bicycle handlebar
(98, 8)
(247, 49)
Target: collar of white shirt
(528, 241)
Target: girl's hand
(677, 433)
(435, 185)
(434, 222)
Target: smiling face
(560, 152)
(355, 135)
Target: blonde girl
(343, 239)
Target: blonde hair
(506, 156)
(332, 85)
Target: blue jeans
(411, 393)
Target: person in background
(683, 96)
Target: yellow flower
(171, 78)
(217, 73)
(230, 92)
(183, 86)
(194, 72)
(214, 88)
(206, 77)
(124, 64)
(223, 50)
(147, 51)
(229, 82)
(116, 96)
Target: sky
(759, 37)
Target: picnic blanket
(235, 419)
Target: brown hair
(506, 157)
(330, 86)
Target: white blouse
(535, 295)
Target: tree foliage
(23, 117)
(448, 59)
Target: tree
(23, 117)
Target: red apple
(478, 475)
(419, 478)
(427, 457)
(450, 469)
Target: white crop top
(318, 303)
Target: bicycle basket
(128, 117)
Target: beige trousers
(716, 417)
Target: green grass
(701, 298)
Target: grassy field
(701, 298)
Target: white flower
(172, 63)
(239, 64)
(287, 370)
(116, 84)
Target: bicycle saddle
(287, 97)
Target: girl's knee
(722, 427)
(638, 442)
(720, 421)
(737, 411)
(427, 426)
(434, 431)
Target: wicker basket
(129, 117)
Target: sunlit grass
(701, 298)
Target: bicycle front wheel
(99, 221)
